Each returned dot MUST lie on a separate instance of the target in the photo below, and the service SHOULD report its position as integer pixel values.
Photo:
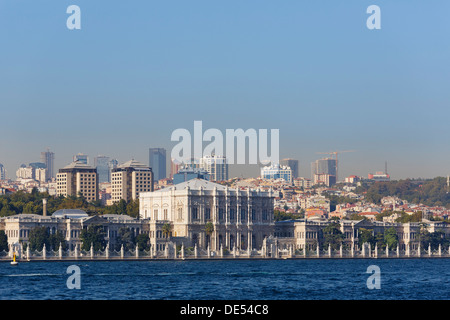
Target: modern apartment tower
(48, 158)
(77, 179)
(291, 163)
(157, 162)
(128, 180)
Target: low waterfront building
(304, 233)
(70, 223)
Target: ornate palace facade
(241, 218)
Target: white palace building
(241, 218)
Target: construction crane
(335, 153)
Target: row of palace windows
(232, 214)
(300, 235)
(196, 215)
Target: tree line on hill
(432, 192)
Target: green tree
(281, 215)
(332, 235)
(434, 239)
(391, 237)
(56, 240)
(143, 241)
(38, 237)
(95, 235)
(3, 241)
(355, 216)
(379, 240)
(133, 208)
(335, 200)
(126, 238)
(365, 236)
(405, 218)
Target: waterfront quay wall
(171, 252)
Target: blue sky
(137, 71)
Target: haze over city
(136, 72)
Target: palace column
(214, 220)
(227, 232)
(238, 220)
(249, 221)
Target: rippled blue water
(229, 280)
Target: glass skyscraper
(2, 172)
(48, 158)
(103, 170)
(157, 161)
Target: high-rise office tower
(157, 162)
(112, 164)
(102, 165)
(291, 163)
(77, 179)
(82, 158)
(2, 172)
(48, 158)
(130, 179)
(216, 166)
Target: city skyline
(128, 79)
(239, 171)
